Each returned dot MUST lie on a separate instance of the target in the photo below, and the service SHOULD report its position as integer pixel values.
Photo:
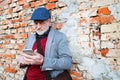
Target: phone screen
(28, 51)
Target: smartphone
(28, 51)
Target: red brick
(17, 25)
(21, 2)
(96, 52)
(95, 20)
(10, 10)
(83, 22)
(16, 20)
(104, 52)
(104, 11)
(29, 29)
(32, 4)
(21, 46)
(23, 24)
(1, 9)
(11, 70)
(8, 36)
(21, 30)
(26, 6)
(9, 56)
(5, 22)
(7, 41)
(1, 46)
(21, 35)
(50, 6)
(76, 74)
(39, 3)
(44, 1)
(106, 19)
(53, 0)
(26, 18)
(102, 19)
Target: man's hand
(35, 59)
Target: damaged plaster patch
(115, 10)
(91, 66)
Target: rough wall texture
(92, 28)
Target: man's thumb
(35, 51)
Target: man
(55, 54)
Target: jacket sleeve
(64, 59)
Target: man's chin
(40, 33)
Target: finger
(35, 50)
(27, 60)
(27, 56)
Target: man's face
(41, 26)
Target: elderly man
(50, 49)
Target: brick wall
(92, 27)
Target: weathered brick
(104, 52)
(50, 6)
(21, 30)
(77, 74)
(83, 23)
(14, 31)
(5, 22)
(38, 3)
(29, 29)
(16, 20)
(19, 46)
(10, 10)
(53, 0)
(32, 4)
(11, 70)
(7, 41)
(109, 28)
(23, 24)
(104, 11)
(102, 19)
(17, 25)
(21, 35)
(26, 6)
(8, 36)
(8, 56)
(114, 53)
(21, 2)
(109, 36)
(88, 13)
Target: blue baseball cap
(40, 14)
